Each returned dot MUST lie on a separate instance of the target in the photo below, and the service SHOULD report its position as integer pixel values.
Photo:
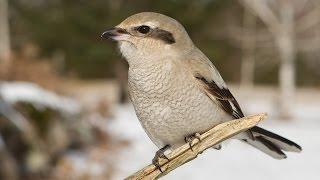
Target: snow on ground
(13, 92)
(235, 161)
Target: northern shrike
(175, 89)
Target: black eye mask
(163, 35)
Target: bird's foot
(217, 147)
(190, 139)
(160, 154)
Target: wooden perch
(208, 139)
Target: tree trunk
(285, 41)
(4, 36)
(248, 49)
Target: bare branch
(235, 33)
(208, 139)
(308, 21)
(261, 9)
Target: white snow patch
(13, 92)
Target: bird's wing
(212, 84)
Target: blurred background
(64, 108)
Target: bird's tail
(271, 143)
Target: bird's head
(149, 35)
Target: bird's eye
(143, 29)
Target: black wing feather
(224, 97)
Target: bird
(176, 91)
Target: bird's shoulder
(210, 81)
(200, 65)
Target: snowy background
(234, 160)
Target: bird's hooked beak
(116, 34)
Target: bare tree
(248, 46)
(4, 35)
(287, 20)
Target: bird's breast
(168, 102)
(151, 80)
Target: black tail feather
(279, 141)
(271, 146)
(271, 143)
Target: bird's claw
(189, 139)
(160, 154)
(217, 147)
